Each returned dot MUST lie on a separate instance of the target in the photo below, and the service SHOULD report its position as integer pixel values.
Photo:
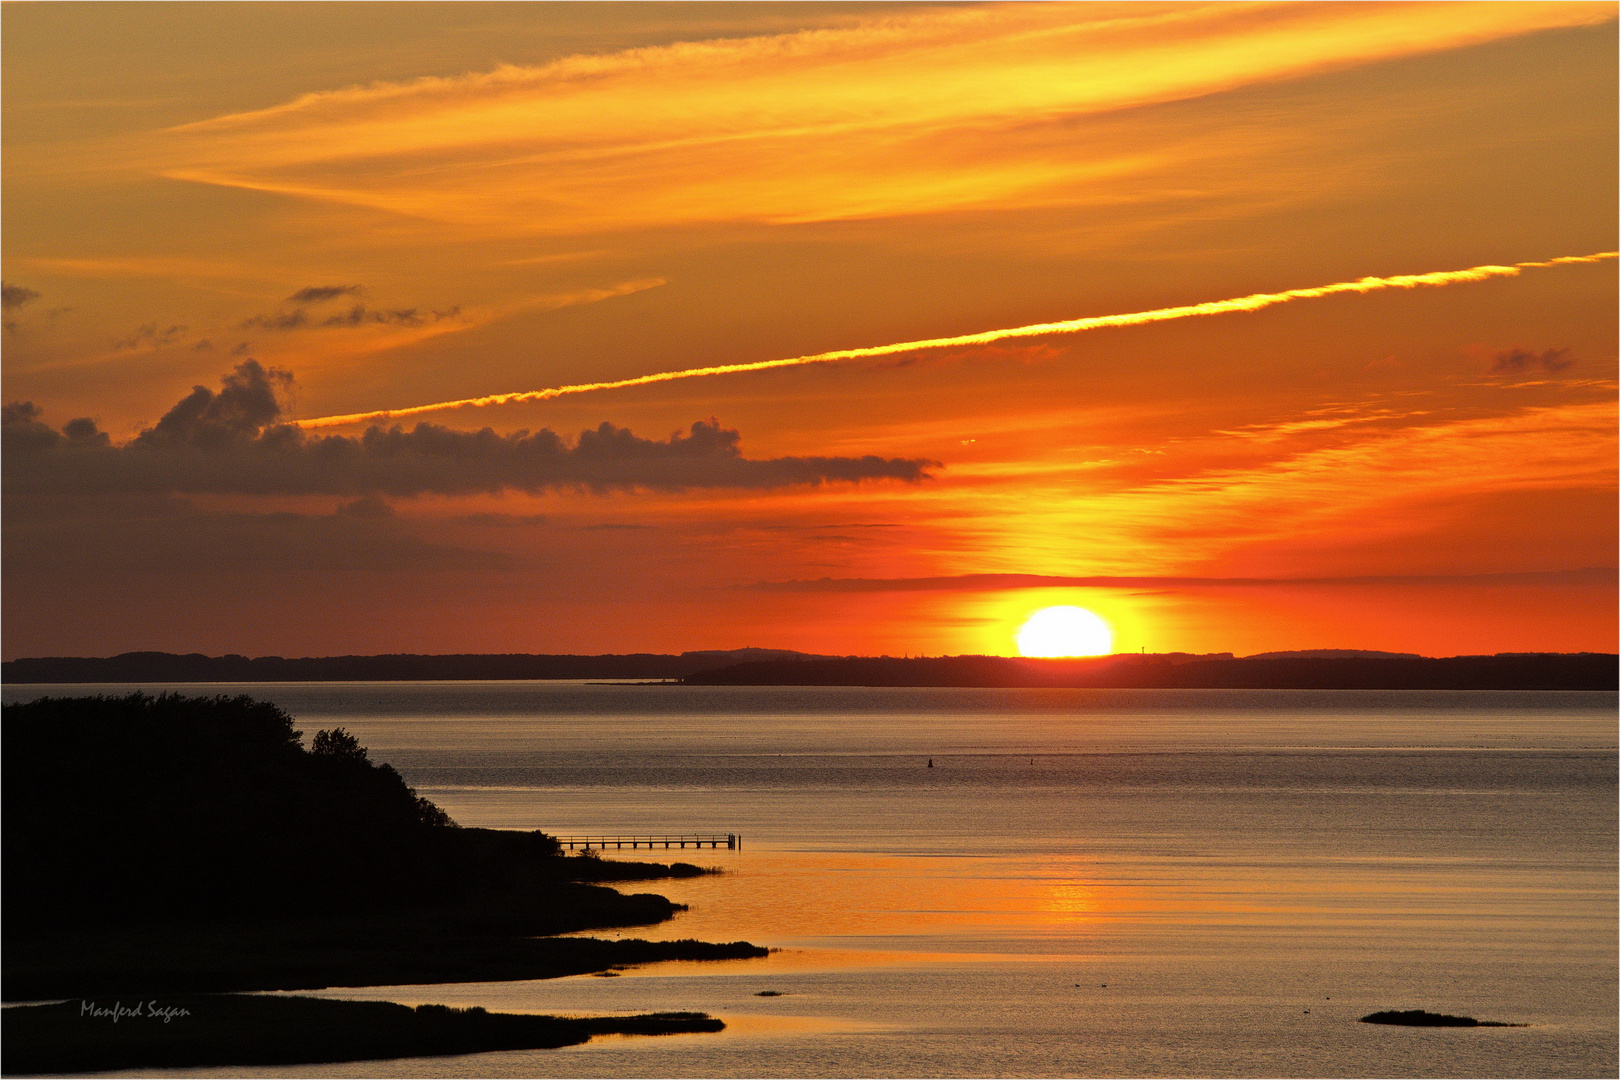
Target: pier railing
(698, 840)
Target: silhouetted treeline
(176, 844)
(140, 807)
(1506, 671)
(195, 667)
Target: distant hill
(160, 667)
(1303, 669)
(1336, 654)
(1507, 671)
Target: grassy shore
(95, 1035)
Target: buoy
(930, 763)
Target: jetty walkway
(731, 841)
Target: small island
(1420, 1018)
(161, 848)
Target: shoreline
(199, 1031)
(157, 987)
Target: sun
(1065, 631)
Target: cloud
(368, 506)
(1518, 361)
(358, 315)
(934, 109)
(1606, 575)
(245, 406)
(151, 336)
(234, 441)
(15, 296)
(281, 320)
(316, 294)
(1252, 302)
(22, 432)
(498, 520)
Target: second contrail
(1253, 302)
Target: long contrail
(1253, 302)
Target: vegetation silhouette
(176, 844)
(144, 808)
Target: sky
(225, 224)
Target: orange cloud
(896, 115)
(1358, 490)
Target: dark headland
(1325, 669)
(161, 848)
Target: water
(1087, 882)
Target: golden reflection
(783, 899)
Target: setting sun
(1065, 631)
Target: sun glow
(1065, 631)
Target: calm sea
(1085, 883)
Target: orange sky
(407, 204)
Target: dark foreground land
(1507, 671)
(200, 1031)
(173, 846)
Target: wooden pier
(731, 841)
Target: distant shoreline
(1305, 670)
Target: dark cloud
(316, 294)
(15, 296)
(22, 432)
(245, 406)
(242, 349)
(234, 441)
(202, 346)
(368, 506)
(498, 520)
(1519, 361)
(150, 336)
(142, 561)
(360, 315)
(281, 320)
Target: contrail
(1253, 302)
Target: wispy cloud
(937, 110)
(316, 294)
(1382, 483)
(1604, 575)
(1253, 302)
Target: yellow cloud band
(1253, 302)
